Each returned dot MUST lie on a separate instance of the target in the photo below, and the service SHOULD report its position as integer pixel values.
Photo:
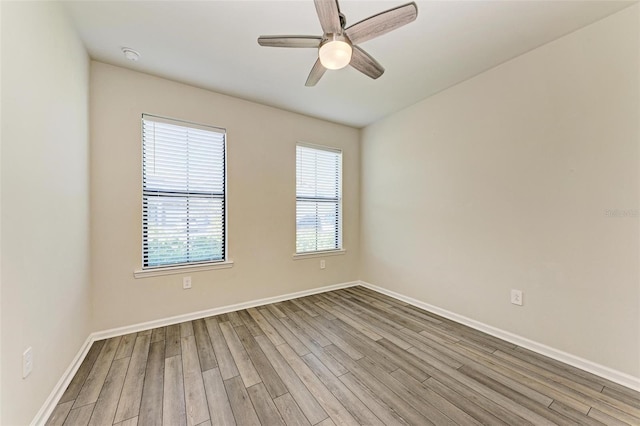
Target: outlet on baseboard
(186, 283)
(27, 362)
(516, 297)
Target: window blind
(318, 199)
(183, 194)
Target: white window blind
(183, 194)
(318, 199)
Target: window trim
(225, 262)
(171, 270)
(319, 253)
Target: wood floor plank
(350, 401)
(235, 319)
(158, 334)
(471, 368)
(241, 405)
(577, 417)
(95, 381)
(250, 323)
(390, 398)
(264, 405)
(367, 346)
(152, 391)
(196, 406)
(72, 391)
(325, 398)
(579, 376)
(290, 412)
(328, 330)
(173, 404)
(130, 422)
(205, 349)
(129, 405)
(437, 401)
(358, 325)
(607, 404)
(79, 416)
(627, 398)
(606, 419)
(541, 409)
(246, 368)
(106, 405)
(126, 346)
(186, 329)
(217, 399)
(305, 400)
(59, 414)
(228, 368)
(333, 365)
(411, 394)
(275, 310)
(381, 326)
(304, 306)
(460, 400)
(270, 378)
(310, 331)
(283, 331)
(267, 328)
(385, 413)
(313, 301)
(172, 341)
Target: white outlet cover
(27, 362)
(186, 283)
(516, 297)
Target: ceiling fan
(337, 47)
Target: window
(183, 193)
(318, 199)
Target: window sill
(312, 254)
(144, 273)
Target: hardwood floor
(351, 356)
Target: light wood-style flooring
(350, 356)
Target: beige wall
(503, 182)
(261, 199)
(45, 202)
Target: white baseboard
(600, 370)
(119, 331)
(51, 402)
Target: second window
(318, 199)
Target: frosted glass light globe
(335, 54)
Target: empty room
(319, 212)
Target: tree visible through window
(183, 193)
(318, 199)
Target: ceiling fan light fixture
(335, 53)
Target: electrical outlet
(516, 297)
(186, 283)
(27, 362)
(322, 264)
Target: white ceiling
(212, 44)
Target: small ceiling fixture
(130, 54)
(338, 45)
(335, 53)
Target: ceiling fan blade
(289, 41)
(328, 13)
(316, 74)
(364, 63)
(382, 23)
